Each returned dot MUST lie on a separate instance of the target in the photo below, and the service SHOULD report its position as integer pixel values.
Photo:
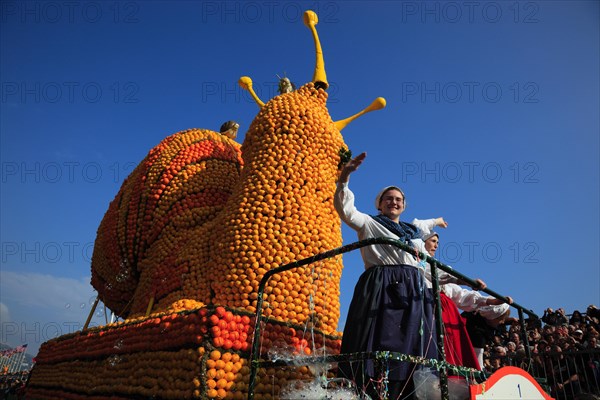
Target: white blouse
(366, 227)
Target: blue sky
(492, 122)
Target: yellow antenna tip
(310, 18)
(378, 103)
(246, 83)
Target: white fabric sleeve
(465, 299)
(425, 226)
(343, 201)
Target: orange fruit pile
(176, 356)
(282, 211)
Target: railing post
(524, 334)
(439, 327)
(382, 368)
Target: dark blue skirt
(392, 310)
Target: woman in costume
(457, 343)
(392, 305)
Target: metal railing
(441, 365)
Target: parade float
(186, 256)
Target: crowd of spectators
(12, 386)
(564, 348)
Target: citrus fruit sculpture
(183, 246)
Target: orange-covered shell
(167, 201)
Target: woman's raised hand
(441, 222)
(351, 166)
